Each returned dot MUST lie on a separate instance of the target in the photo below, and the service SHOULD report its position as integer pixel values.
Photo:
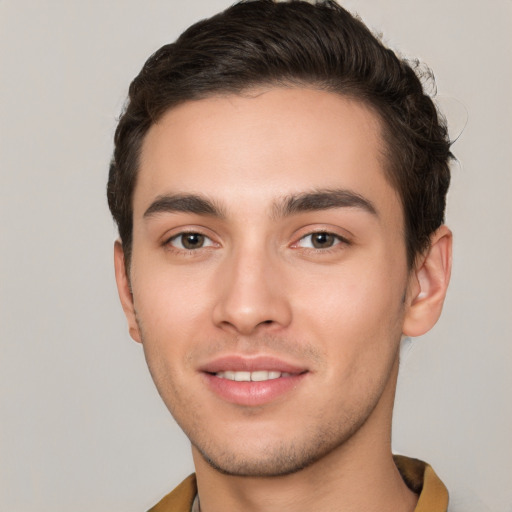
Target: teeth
(257, 376)
(263, 375)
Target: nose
(252, 294)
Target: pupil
(193, 240)
(322, 240)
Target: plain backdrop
(81, 426)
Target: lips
(251, 381)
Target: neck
(358, 475)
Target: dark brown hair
(296, 43)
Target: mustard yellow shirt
(419, 477)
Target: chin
(280, 459)
(281, 464)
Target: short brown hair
(264, 42)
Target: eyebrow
(187, 203)
(323, 200)
(289, 205)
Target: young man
(279, 182)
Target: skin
(261, 283)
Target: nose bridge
(251, 292)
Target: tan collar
(421, 478)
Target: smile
(257, 376)
(252, 380)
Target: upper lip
(239, 363)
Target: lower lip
(252, 393)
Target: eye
(190, 241)
(320, 240)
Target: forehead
(263, 144)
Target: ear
(125, 293)
(428, 285)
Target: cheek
(170, 300)
(358, 312)
(169, 315)
(354, 291)
(172, 319)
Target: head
(279, 182)
(264, 43)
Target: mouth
(252, 381)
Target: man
(279, 182)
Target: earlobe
(125, 293)
(429, 284)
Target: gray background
(81, 426)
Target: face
(268, 274)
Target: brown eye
(322, 240)
(190, 241)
